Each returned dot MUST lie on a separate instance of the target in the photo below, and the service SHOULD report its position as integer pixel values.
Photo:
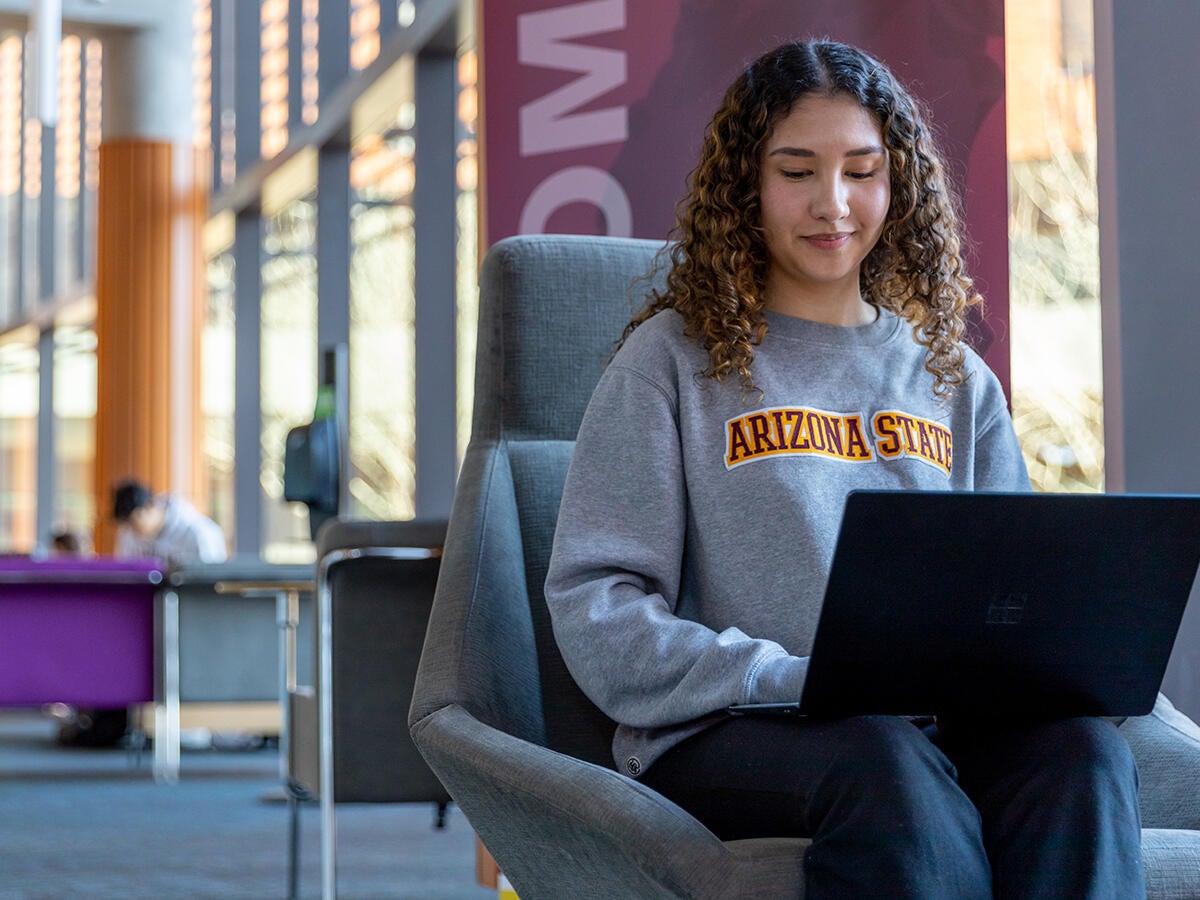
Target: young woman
(809, 342)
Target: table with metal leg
(203, 588)
(166, 689)
(287, 618)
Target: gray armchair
(496, 714)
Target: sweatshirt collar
(882, 330)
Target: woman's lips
(828, 241)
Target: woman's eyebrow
(801, 151)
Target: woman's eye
(795, 174)
(862, 176)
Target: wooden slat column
(152, 202)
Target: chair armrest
(342, 534)
(561, 827)
(1166, 745)
(1172, 862)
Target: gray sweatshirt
(697, 526)
(187, 536)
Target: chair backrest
(551, 309)
(379, 601)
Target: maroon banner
(594, 111)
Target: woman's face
(824, 194)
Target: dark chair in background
(375, 586)
(524, 753)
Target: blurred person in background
(164, 526)
(161, 526)
(66, 543)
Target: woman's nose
(830, 204)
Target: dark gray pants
(1041, 810)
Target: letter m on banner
(553, 122)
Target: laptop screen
(968, 603)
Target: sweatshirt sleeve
(202, 542)
(999, 464)
(615, 574)
(210, 541)
(126, 544)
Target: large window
(31, 199)
(35, 181)
(382, 310)
(93, 103)
(1054, 244)
(289, 366)
(364, 32)
(217, 381)
(273, 68)
(380, 222)
(467, 252)
(10, 174)
(18, 440)
(380, 219)
(382, 335)
(69, 165)
(75, 421)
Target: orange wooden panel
(140, 204)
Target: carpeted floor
(93, 824)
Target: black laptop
(978, 604)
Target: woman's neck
(837, 302)
(827, 309)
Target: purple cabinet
(77, 631)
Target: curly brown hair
(718, 258)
